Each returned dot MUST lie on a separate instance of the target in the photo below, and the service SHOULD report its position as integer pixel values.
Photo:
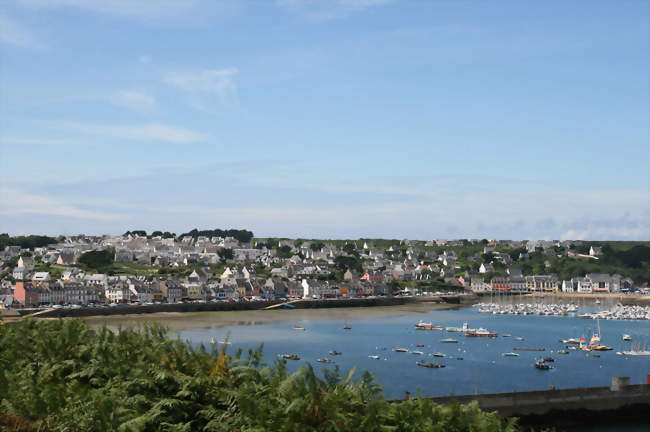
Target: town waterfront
(472, 365)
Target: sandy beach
(189, 320)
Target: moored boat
(403, 350)
(448, 340)
(374, 357)
(430, 365)
(417, 352)
(570, 341)
(290, 356)
(540, 364)
(481, 333)
(297, 327)
(510, 354)
(462, 329)
(335, 352)
(627, 337)
(438, 354)
(427, 326)
(323, 360)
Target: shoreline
(211, 319)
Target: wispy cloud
(134, 99)
(215, 81)
(141, 132)
(169, 12)
(37, 141)
(15, 34)
(13, 202)
(140, 8)
(323, 10)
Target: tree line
(26, 242)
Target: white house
(19, 273)
(41, 277)
(567, 286)
(485, 268)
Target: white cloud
(168, 12)
(323, 10)
(134, 99)
(142, 132)
(217, 81)
(13, 202)
(14, 34)
(37, 141)
(137, 8)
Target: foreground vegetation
(64, 376)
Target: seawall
(566, 406)
(155, 308)
(242, 306)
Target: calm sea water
(482, 369)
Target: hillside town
(193, 268)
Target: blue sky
(329, 119)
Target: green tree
(99, 260)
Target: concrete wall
(544, 401)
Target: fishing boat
(290, 356)
(438, 354)
(427, 326)
(400, 350)
(448, 340)
(627, 337)
(417, 352)
(540, 364)
(374, 357)
(481, 333)
(335, 352)
(323, 360)
(297, 327)
(462, 329)
(510, 354)
(430, 365)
